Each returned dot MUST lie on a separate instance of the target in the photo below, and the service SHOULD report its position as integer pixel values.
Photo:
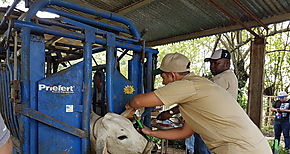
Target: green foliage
(242, 98)
(281, 150)
(277, 59)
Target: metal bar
(122, 55)
(37, 72)
(50, 121)
(74, 57)
(149, 85)
(9, 12)
(49, 64)
(111, 61)
(233, 17)
(41, 4)
(103, 92)
(98, 31)
(99, 67)
(49, 30)
(89, 34)
(134, 71)
(54, 50)
(25, 87)
(77, 36)
(87, 20)
(68, 45)
(15, 62)
(7, 103)
(141, 88)
(238, 2)
(51, 22)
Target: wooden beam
(218, 30)
(256, 82)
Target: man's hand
(128, 113)
(146, 130)
(128, 107)
(164, 115)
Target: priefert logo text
(56, 88)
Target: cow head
(117, 135)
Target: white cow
(115, 134)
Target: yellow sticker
(129, 89)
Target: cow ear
(101, 146)
(148, 148)
(105, 151)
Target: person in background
(281, 123)
(205, 108)
(5, 140)
(220, 62)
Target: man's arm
(274, 109)
(283, 110)
(171, 134)
(168, 113)
(145, 100)
(7, 147)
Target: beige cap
(174, 62)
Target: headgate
(47, 109)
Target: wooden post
(256, 80)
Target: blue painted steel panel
(7, 107)
(116, 83)
(36, 65)
(120, 98)
(87, 87)
(54, 111)
(54, 94)
(135, 72)
(24, 124)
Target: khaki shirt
(208, 109)
(228, 81)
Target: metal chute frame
(59, 101)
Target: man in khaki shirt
(223, 75)
(206, 108)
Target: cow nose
(122, 137)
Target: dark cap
(219, 54)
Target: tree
(238, 43)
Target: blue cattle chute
(51, 114)
(60, 97)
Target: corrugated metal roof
(174, 20)
(165, 19)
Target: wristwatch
(171, 112)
